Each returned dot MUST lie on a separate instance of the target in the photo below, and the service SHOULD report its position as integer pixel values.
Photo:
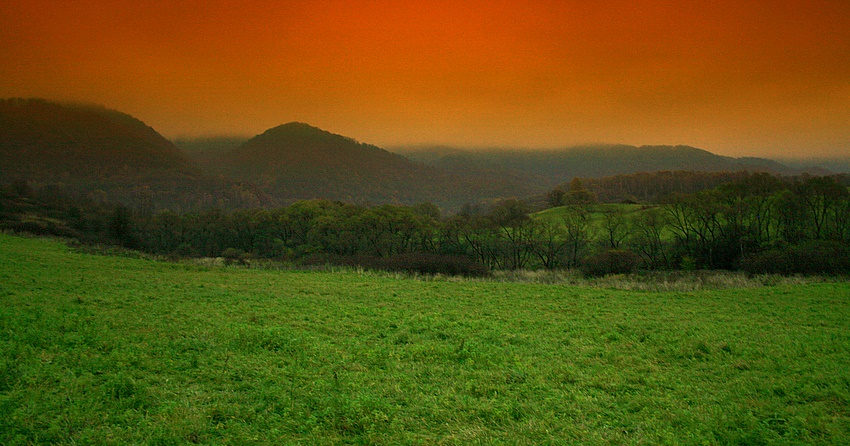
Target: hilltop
(299, 145)
(298, 161)
(108, 155)
(39, 138)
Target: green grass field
(115, 350)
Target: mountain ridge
(108, 155)
(97, 148)
(297, 143)
(80, 140)
(594, 161)
(296, 161)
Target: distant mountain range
(296, 161)
(554, 166)
(96, 149)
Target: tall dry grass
(663, 281)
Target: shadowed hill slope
(298, 161)
(306, 147)
(93, 150)
(40, 138)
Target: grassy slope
(116, 350)
(596, 216)
(596, 211)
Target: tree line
(756, 222)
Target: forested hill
(303, 146)
(297, 161)
(42, 139)
(108, 155)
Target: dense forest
(757, 222)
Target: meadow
(119, 350)
(596, 211)
(596, 214)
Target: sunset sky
(760, 78)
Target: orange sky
(764, 78)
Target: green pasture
(119, 350)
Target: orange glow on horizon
(737, 78)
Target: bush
(815, 257)
(412, 263)
(321, 259)
(429, 263)
(615, 261)
(185, 250)
(233, 255)
(42, 227)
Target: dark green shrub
(412, 263)
(815, 257)
(430, 264)
(233, 255)
(185, 250)
(320, 259)
(614, 261)
(42, 227)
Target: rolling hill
(297, 161)
(94, 150)
(555, 166)
(39, 138)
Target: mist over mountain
(815, 165)
(554, 166)
(297, 161)
(207, 151)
